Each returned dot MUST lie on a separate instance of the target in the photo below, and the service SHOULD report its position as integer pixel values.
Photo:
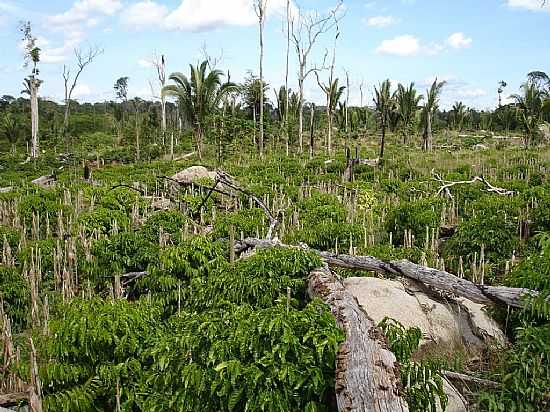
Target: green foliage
(246, 221)
(414, 215)
(124, 252)
(259, 281)
(15, 295)
(525, 374)
(493, 225)
(94, 344)
(241, 359)
(421, 380)
(11, 235)
(102, 221)
(42, 203)
(172, 223)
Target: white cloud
(54, 55)
(405, 45)
(381, 21)
(459, 41)
(202, 15)
(144, 14)
(533, 5)
(84, 12)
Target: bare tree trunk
(287, 134)
(367, 373)
(383, 141)
(301, 111)
(311, 131)
(34, 84)
(260, 10)
(428, 132)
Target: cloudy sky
(472, 44)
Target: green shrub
(102, 221)
(241, 359)
(172, 223)
(15, 295)
(414, 215)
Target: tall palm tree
(406, 100)
(429, 110)
(529, 109)
(10, 129)
(459, 115)
(384, 104)
(199, 96)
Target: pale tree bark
(34, 84)
(260, 7)
(160, 66)
(82, 61)
(304, 37)
(286, 125)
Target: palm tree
(406, 100)
(333, 93)
(10, 129)
(459, 115)
(199, 96)
(384, 104)
(429, 110)
(529, 109)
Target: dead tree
(260, 8)
(32, 83)
(159, 63)
(82, 61)
(305, 33)
(287, 134)
(446, 184)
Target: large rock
(446, 327)
(455, 401)
(193, 174)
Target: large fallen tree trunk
(437, 279)
(367, 375)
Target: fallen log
(437, 279)
(367, 373)
(45, 181)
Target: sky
(471, 44)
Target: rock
(456, 402)
(446, 327)
(483, 326)
(481, 146)
(193, 174)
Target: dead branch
(227, 181)
(446, 184)
(460, 377)
(367, 373)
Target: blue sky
(472, 44)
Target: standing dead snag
(367, 375)
(305, 34)
(82, 61)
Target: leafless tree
(260, 8)
(82, 61)
(305, 33)
(286, 74)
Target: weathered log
(367, 373)
(440, 280)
